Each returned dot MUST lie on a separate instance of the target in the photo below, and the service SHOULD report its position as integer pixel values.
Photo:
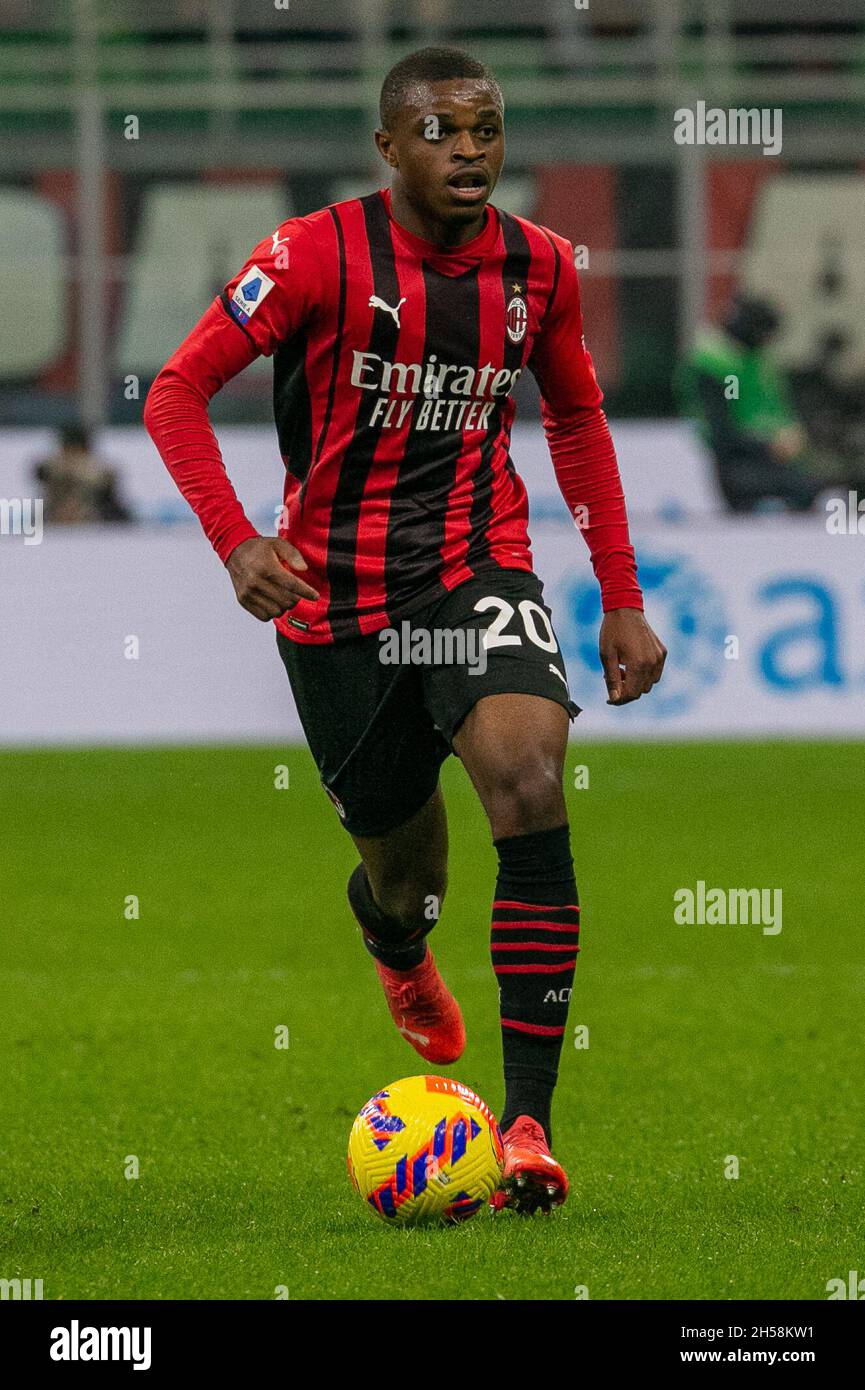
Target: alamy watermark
(22, 516)
(77, 1343)
(845, 516)
(851, 1287)
(721, 907)
(438, 646)
(702, 125)
(20, 1289)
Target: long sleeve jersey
(394, 363)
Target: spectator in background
(830, 400)
(76, 487)
(729, 384)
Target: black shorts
(379, 712)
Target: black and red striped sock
(534, 945)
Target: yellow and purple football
(425, 1149)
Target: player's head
(751, 321)
(442, 130)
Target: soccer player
(399, 324)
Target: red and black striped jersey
(394, 363)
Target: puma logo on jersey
(278, 240)
(376, 303)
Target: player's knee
(413, 899)
(527, 796)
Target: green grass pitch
(155, 1037)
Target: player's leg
(513, 748)
(403, 877)
(396, 893)
(506, 715)
(378, 755)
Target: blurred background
(171, 898)
(146, 149)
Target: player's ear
(384, 145)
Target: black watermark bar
(145, 1338)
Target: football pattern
(426, 1148)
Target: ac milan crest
(516, 318)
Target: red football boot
(532, 1179)
(424, 1010)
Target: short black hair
(429, 65)
(752, 320)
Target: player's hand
(632, 656)
(261, 572)
(788, 444)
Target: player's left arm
(588, 475)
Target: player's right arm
(252, 316)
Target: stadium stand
(280, 102)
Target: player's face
(448, 146)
